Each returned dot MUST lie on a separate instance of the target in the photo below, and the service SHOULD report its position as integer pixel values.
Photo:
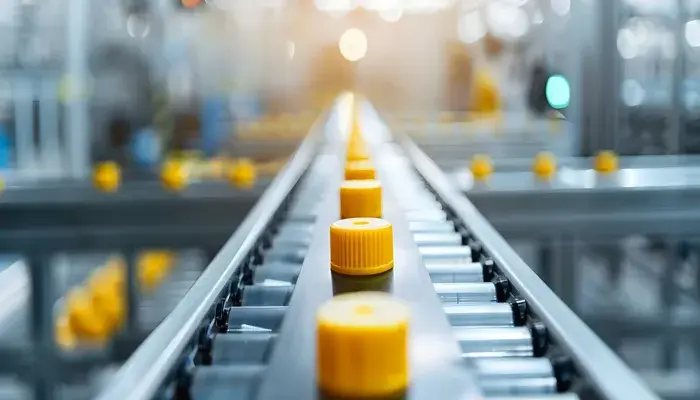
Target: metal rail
(142, 375)
(607, 373)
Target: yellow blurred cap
(481, 167)
(107, 176)
(84, 319)
(242, 173)
(355, 170)
(361, 246)
(174, 175)
(357, 150)
(361, 198)
(362, 345)
(606, 162)
(544, 165)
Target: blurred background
(141, 82)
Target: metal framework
(213, 312)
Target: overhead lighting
(353, 44)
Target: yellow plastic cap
(108, 299)
(606, 162)
(357, 150)
(361, 199)
(357, 170)
(242, 174)
(362, 345)
(544, 165)
(174, 175)
(107, 176)
(362, 246)
(481, 167)
(153, 267)
(84, 319)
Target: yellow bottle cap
(242, 174)
(109, 300)
(362, 246)
(107, 176)
(84, 319)
(361, 198)
(544, 165)
(481, 167)
(606, 162)
(174, 175)
(362, 345)
(357, 170)
(357, 150)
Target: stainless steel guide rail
(143, 375)
(603, 371)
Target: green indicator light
(558, 92)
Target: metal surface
(631, 201)
(143, 374)
(605, 372)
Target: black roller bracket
(502, 286)
(221, 319)
(204, 344)
(564, 372)
(477, 248)
(519, 307)
(490, 269)
(540, 338)
(183, 381)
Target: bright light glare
(391, 15)
(291, 50)
(692, 33)
(471, 27)
(561, 7)
(353, 44)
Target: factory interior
(350, 199)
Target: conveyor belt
(250, 316)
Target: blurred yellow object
(65, 338)
(242, 173)
(360, 198)
(606, 162)
(544, 165)
(481, 167)
(84, 319)
(153, 267)
(107, 176)
(362, 345)
(446, 117)
(109, 299)
(486, 97)
(357, 151)
(357, 170)
(174, 175)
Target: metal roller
(225, 382)
(495, 342)
(459, 293)
(428, 227)
(438, 239)
(446, 254)
(513, 368)
(286, 254)
(480, 315)
(266, 295)
(421, 203)
(525, 386)
(559, 396)
(255, 319)
(242, 348)
(292, 229)
(426, 216)
(276, 272)
(456, 273)
(302, 240)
